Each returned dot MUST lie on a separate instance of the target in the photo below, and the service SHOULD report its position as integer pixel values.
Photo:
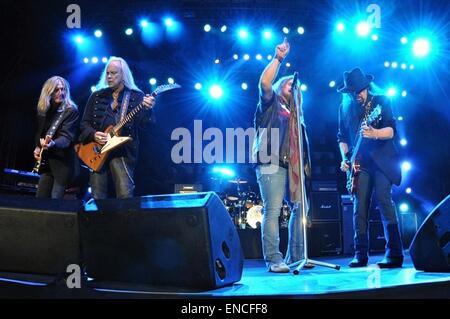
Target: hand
(47, 142)
(369, 132)
(149, 101)
(37, 153)
(282, 49)
(344, 166)
(101, 137)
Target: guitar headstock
(374, 116)
(165, 87)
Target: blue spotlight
(400, 118)
(404, 207)
(303, 87)
(404, 93)
(94, 60)
(222, 170)
(235, 56)
(152, 81)
(269, 57)
(216, 91)
(363, 29)
(78, 39)
(408, 190)
(406, 166)
(104, 59)
(392, 91)
(267, 34)
(246, 57)
(332, 84)
(411, 67)
(243, 34)
(374, 37)
(86, 60)
(217, 61)
(403, 66)
(144, 23)
(288, 65)
(285, 30)
(223, 28)
(340, 26)
(404, 40)
(244, 86)
(403, 142)
(169, 22)
(170, 81)
(129, 31)
(421, 47)
(394, 65)
(207, 28)
(98, 33)
(258, 57)
(301, 30)
(198, 86)
(386, 64)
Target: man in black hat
(375, 166)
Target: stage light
(404, 40)
(285, 30)
(403, 66)
(404, 93)
(243, 34)
(94, 60)
(244, 86)
(301, 30)
(269, 57)
(104, 59)
(408, 190)
(129, 31)
(168, 22)
(340, 26)
(98, 33)
(79, 39)
(400, 118)
(374, 37)
(258, 57)
(288, 65)
(303, 87)
(143, 23)
(170, 81)
(235, 56)
(394, 65)
(363, 29)
(216, 61)
(332, 84)
(406, 166)
(386, 64)
(392, 91)
(246, 57)
(411, 67)
(267, 34)
(216, 91)
(225, 171)
(93, 88)
(152, 81)
(223, 28)
(86, 60)
(421, 47)
(404, 207)
(207, 28)
(198, 86)
(403, 142)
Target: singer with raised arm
(56, 134)
(371, 161)
(117, 96)
(279, 179)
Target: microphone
(294, 82)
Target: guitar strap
(57, 122)
(124, 106)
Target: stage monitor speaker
(38, 236)
(325, 206)
(430, 248)
(181, 240)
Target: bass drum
(254, 216)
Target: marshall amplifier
(325, 206)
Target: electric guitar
(354, 162)
(41, 162)
(94, 154)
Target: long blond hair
(46, 95)
(281, 82)
(128, 79)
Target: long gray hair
(128, 79)
(46, 95)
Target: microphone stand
(306, 260)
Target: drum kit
(245, 207)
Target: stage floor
(257, 282)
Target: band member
(378, 162)
(55, 137)
(117, 96)
(276, 111)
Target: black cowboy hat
(355, 81)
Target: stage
(318, 283)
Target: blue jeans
(122, 175)
(273, 184)
(369, 181)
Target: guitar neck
(356, 148)
(128, 118)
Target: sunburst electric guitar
(94, 154)
(354, 162)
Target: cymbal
(238, 181)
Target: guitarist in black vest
(375, 166)
(117, 96)
(56, 134)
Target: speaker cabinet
(183, 240)
(324, 239)
(430, 248)
(38, 236)
(325, 206)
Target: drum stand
(306, 260)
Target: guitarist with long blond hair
(117, 96)
(370, 159)
(56, 134)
